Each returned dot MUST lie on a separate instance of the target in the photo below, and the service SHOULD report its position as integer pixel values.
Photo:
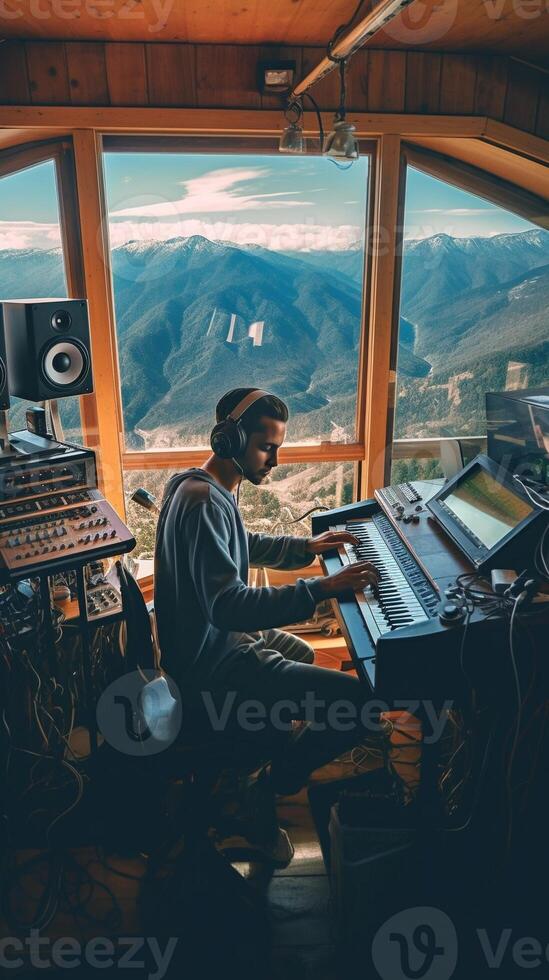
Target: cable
(312, 510)
(319, 119)
(341, 30)
(542, 502)
(237, 466)
(540, 556)
(512, 753)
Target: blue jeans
(260, 697)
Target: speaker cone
(2, 374)
(65, 363)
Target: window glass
(31, 262)
(274, 508)
(232, 271)
(474, 301)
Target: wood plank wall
(205, 75)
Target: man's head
(264, 423)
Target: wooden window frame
(471, 179)
(57, 150)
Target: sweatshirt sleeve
(227, 602)
(279, 552)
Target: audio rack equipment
(52, 516)
(102, 600)
(37, 472)
(53, 519)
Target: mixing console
(58, 535)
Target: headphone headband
(246, 403)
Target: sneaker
(256, 822)
(279, 852)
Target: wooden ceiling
(196, 21)
(519, 27)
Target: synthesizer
(401, 643)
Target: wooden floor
(298, 896)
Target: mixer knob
(112, 534)
(93, 509)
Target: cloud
(213, 192)
(458, 211)
(278, 237)
(29, 234)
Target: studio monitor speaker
(4, 391)
(47, 348)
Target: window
(274, 508)
(473, 316)
(229, 270)
(31, 261)
(234, 270)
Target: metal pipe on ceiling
(374, 21)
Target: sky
(277, 201)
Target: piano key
(392, 603)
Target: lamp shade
(341, 141)
(292, 139)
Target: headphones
(228, 438)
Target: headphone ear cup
(220, 441)
(228, 439)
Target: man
(220, 639)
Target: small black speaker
(47, 348)
(4, 390)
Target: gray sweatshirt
(204, 608)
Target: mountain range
(196, 317)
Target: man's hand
(351, 578)
(329, 540)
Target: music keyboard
(398, 644)
(404, 596)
